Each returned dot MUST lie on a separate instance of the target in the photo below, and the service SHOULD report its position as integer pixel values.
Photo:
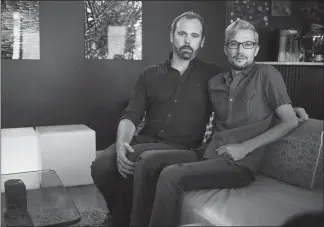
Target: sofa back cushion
(297, 158)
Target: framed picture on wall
(113, 29)
(256, 12)
(20, 29)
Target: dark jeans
(174, 180)
(118, 192)
(146, 174)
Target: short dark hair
(190, 16)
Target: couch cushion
(265, 201)
(295, 159)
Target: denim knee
(147, 162)
(132, 156)
(139, 151)
(102, 169)
(172, 174)
(96, 171)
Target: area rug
(92, 217)
(90, 204)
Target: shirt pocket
(219, 101)
(218, 96)
(248, 100)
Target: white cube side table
(68, 150)
(20, 153)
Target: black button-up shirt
(177, 106)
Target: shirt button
(231, 99)
(169, 115)
(175, 100)
(162, 130)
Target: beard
(185, 52)
(239, 66)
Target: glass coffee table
(36, 198)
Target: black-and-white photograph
(113, 29)
(20, 29)
(165, 114)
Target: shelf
(290, 63)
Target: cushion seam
(317, 161)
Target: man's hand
(301, 114)
(233, 151)
(123, 164)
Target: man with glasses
(252, 109)
(174, 96)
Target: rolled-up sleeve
(275, 88)
(137, 104)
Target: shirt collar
(249, 69)
(227, 77)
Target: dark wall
(268, 36)
(64, 88)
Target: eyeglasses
(236, 45)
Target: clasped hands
(234, 152)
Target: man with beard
(252, 109)
(174, 98)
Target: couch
(289, 182)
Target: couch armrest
(296, 158)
